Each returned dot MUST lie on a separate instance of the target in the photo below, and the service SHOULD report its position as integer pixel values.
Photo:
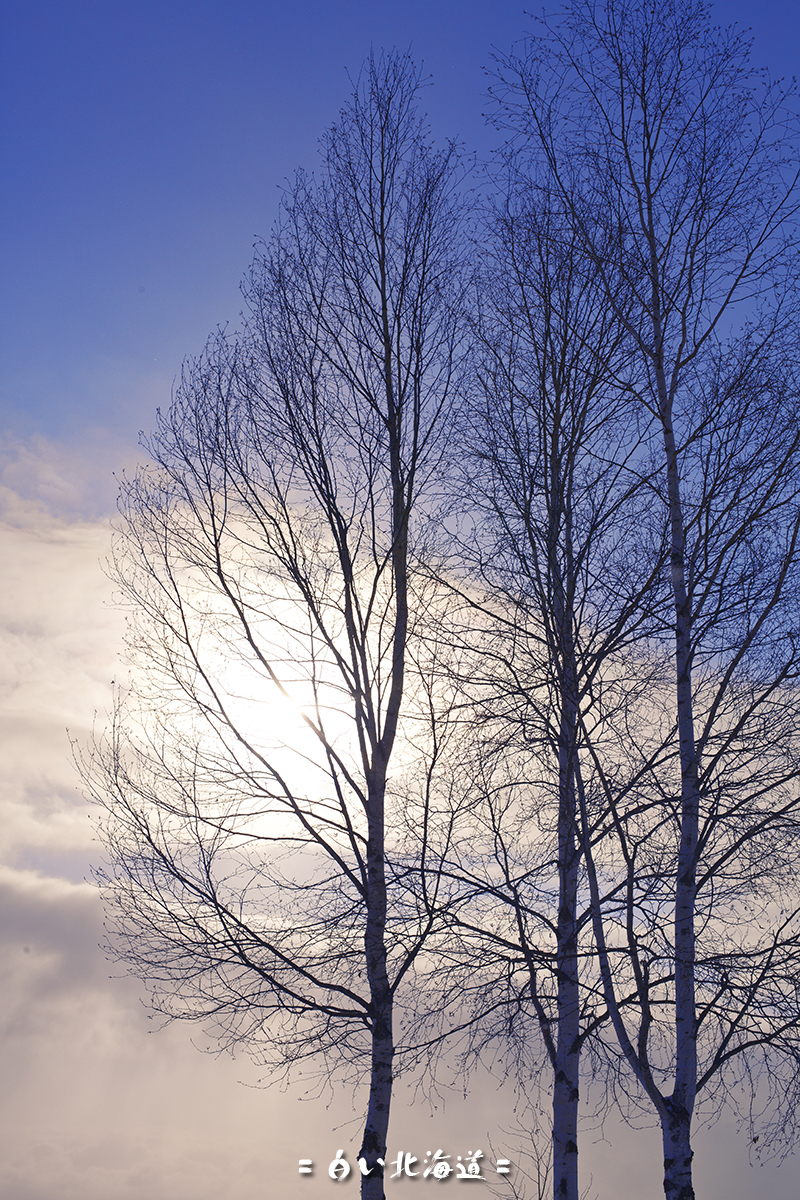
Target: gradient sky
(143, 148)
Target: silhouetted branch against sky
(145, 148)
(677, 164)
(269, 558)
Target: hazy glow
(142, 149)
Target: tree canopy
(464, 587)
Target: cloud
(49, 487)
(59, 642)
(101, 1109)
(100, 1102)
(47, 959)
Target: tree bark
(677, 1118)
(566, 1084)
(373, 1145)
(676, 1137)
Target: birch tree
(678, 166)
(555, 480)
(278, 750)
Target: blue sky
(143, 145)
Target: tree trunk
(373, 1146)
(676, 1136)
(677, 1119)
(565, 1088)
(567, 1050)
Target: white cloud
(59, 639)
(99, 1103)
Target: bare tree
(268, 771)
(739, 459)
(678, 167)
(555, 479)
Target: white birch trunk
(677, 1117)
(566, 1083)
(676, 1138)
(373, 1145)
